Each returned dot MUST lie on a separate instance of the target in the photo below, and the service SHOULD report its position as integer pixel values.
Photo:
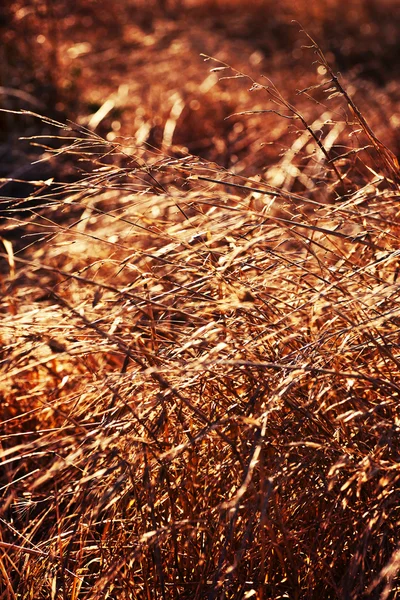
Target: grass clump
(200, 364)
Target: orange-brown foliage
(199, 372)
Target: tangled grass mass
(200, 308)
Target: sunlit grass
(200, 354)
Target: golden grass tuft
(200, 361)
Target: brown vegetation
(199, 372)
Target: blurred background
(134, 69)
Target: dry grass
(200, 338)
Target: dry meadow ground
(200, 309)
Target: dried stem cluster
(200, 370)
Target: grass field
(200, 349)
